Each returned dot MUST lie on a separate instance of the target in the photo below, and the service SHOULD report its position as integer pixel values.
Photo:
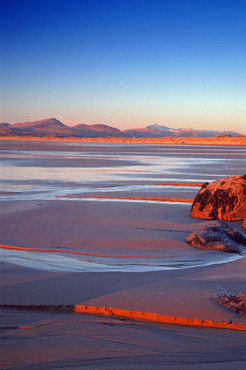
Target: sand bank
(133, 315)
(174, 200)
(218, 140)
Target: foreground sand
(124, 234)
(73, 341)
(92, 341)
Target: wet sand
(127, 255)
(73, 341)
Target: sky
(125, 63)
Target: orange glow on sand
(218, 140)
(127, 198)
(133, 315)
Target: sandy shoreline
(61, 252)
(219, 140)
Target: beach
(103, 225)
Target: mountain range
(54, 127)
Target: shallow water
(103, 168)
(58, 262)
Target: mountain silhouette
(54, 127)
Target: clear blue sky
(125, 63)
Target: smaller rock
(236, 302)
(217, 235)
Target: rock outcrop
(224, 199)
(236, 302)
(217, 235)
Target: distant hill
(143, 132)
(3, 124)
(163, 131)
(53, 127)
(98, 130)
(45, 127)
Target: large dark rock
(224, 199)
(217, 235)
